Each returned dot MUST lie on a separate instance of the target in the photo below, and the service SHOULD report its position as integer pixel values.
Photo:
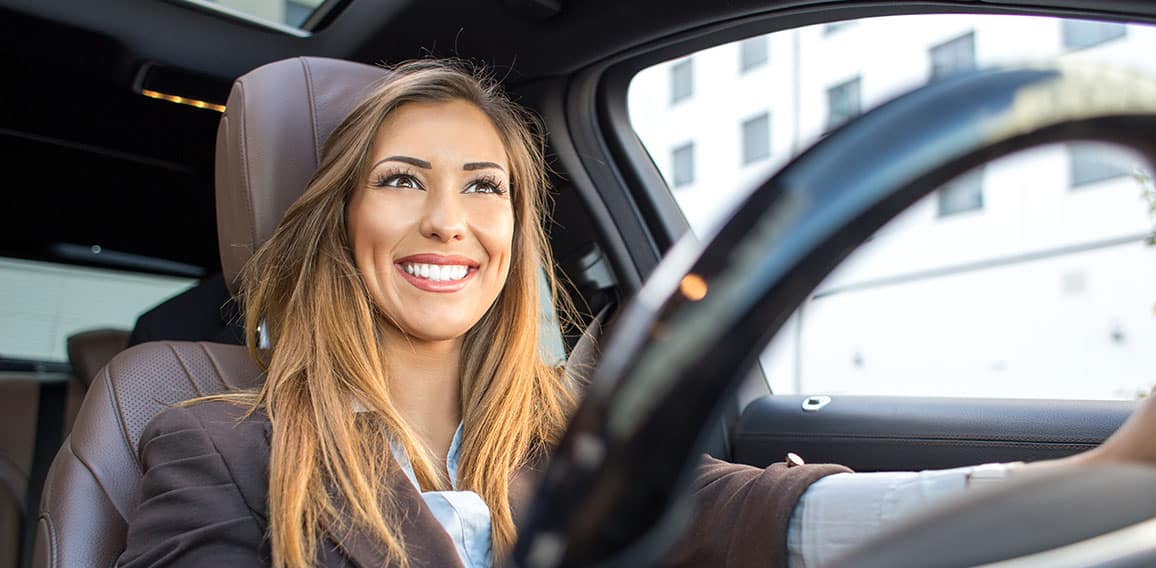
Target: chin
(443, 332)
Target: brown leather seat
(268, 145)
(88, 353)
(21, 469)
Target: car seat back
(268, 144)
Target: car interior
(165, 138)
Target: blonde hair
(325, 347)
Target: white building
(1030, 277)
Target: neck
(425, 385)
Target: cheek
(495, 232)
(368, 232)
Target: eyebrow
(468, 166)
(406, 160)
(481, 166)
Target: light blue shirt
(463, 514)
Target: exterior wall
(1027, 296)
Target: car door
(1003, 318)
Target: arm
(743, 513)
(191, 511)
(840, 512)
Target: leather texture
(94, 483)
(269, 143)
(19, 401)
(88, 351)
(18, 406)
(913, 433)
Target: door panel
(868, 433)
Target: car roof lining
(77, 67)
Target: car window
(42, 304)
(1031, 276)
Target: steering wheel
(615, 493)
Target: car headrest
(269, 143)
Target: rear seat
(19, 399)
(20, 405)
(88, 353)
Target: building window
(752, 53)
(297, 12)
(955, 56)
(962, 194)
(1079, 34)
(836, 26)
(681, 80)
(1091, 164)
(756, 138)
(843, 103)
(683, 159)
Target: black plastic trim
(870, 433)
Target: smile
(436, 272)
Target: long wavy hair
(325, 343)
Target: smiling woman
(434, 217)
(400, 294)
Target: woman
(406, 407)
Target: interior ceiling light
(182, 100)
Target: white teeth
(437, 272)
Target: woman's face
(432, 225)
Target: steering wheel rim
(614, 493)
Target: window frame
(684, 149)
(1069, 26)
(938, 72)
(1099, 170)
(944, 207)
(833, 122)
(762, 58)
(744, 128)
(681, 79)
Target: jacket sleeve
(191, 511)
(744, 512)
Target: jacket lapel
(426, 542)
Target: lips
(437, 273)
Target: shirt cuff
(844, 510)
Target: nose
(444, 218)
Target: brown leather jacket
(205, 486)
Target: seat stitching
(51, 533)
(312, 110)
(247, 194)
(114, 401)
(185, 368)
(92, 473)
(213, 362)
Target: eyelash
(390, 177)
(387, 178)
(495, 185)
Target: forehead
(446, 133)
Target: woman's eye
(484, 186)
(404, 181)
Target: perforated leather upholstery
(267, 146)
